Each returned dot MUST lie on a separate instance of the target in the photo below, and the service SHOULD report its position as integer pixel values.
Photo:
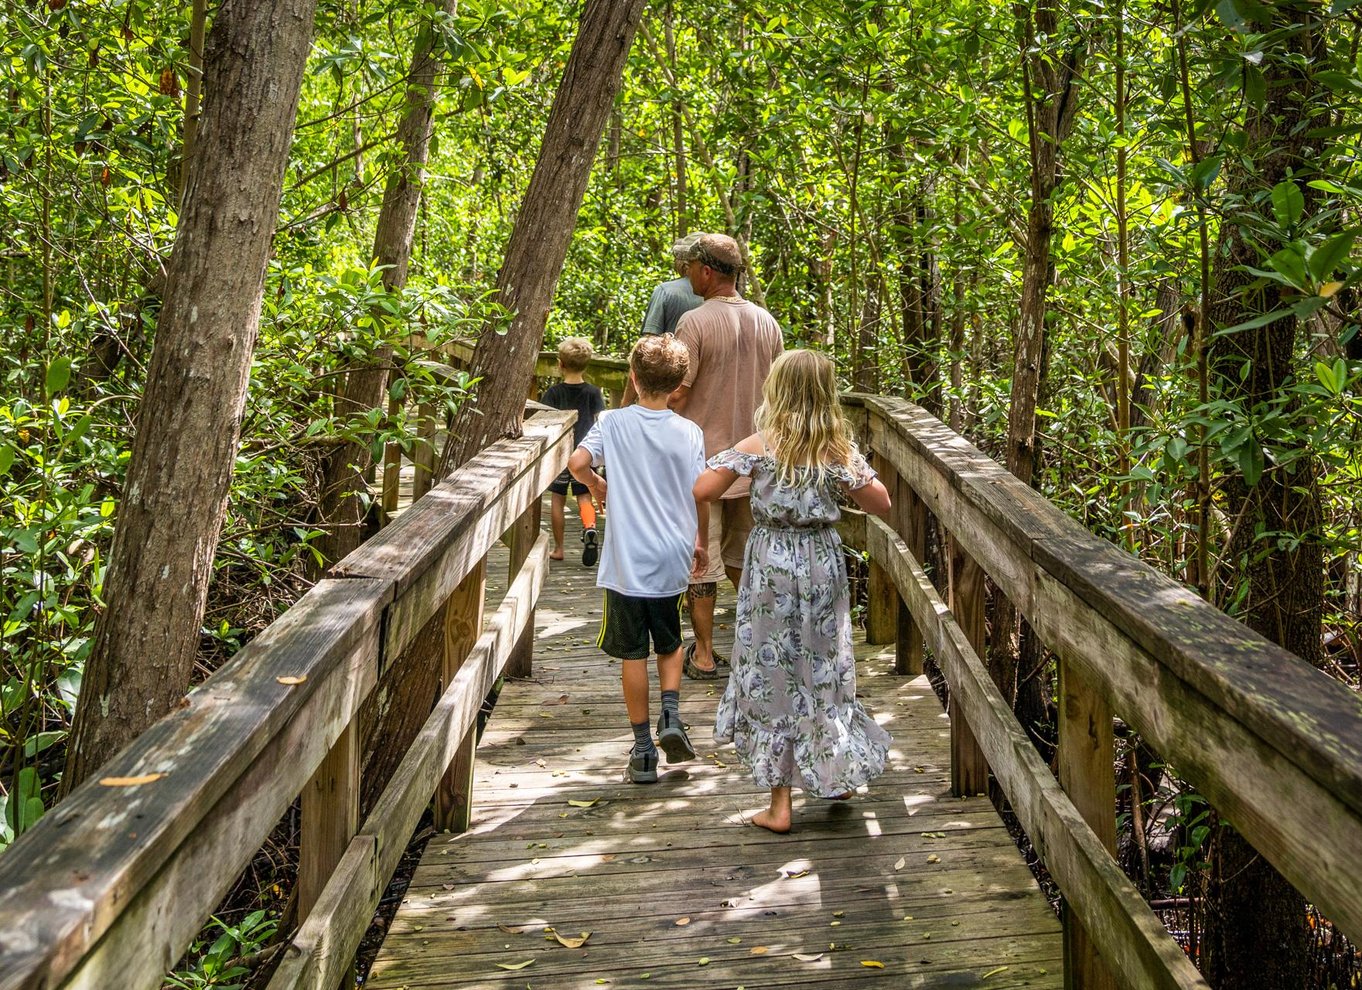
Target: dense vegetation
(1140, 214)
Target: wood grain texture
(639, 858)
(1130, 936)
(1275, 745)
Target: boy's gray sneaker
(642, 768)
(590, 548)
(672, 738)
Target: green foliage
(219, 957)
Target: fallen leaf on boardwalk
(901, 863)
(560, 700)
(804, 958)
(608, 858)
(907, 917)
(796, 874)
(447, 886)
(291, 679)
(582, 804)
(540, 763)
(512, 929)
(933, 858)
(572, 943)
(146, 778)
(993, 972)
(735, 941)
(839, 914)
(682, 921)
(833, 924)
(704, 961)
(872, 964)
(519, 965)
(758, 950)
(545, 715)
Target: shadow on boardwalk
(675, 889)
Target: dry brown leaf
(758, 950)
(292, 679)
(682, 921)
(572, 943)
(933, 858)
(560, 700)
(582, 804)
(807, 958)
(900, 863)
(145, 778)
(512, 929)
(519, 965)
(796, 874)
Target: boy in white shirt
(657, 538)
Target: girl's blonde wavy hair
(800, 416)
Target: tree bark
(1256, 936)
(342, 510)
(175, 495)
(504, 361)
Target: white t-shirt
(652, 458)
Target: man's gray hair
(682, 247)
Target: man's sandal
(694, 672)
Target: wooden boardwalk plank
(905, 875)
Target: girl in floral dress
(790, 707)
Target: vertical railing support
(423, 457)
(462, 627)
(1088, 776)
(330, 817)
(392, 470)
(522, 538)
(969, 769)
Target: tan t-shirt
(732, 343)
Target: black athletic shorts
(629, 621)
(564, 481)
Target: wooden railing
(1272, 743)
(109, 889)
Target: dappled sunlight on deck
(676, 889)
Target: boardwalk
(674, 889)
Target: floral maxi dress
(790, 707)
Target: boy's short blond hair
(659, 362)
(575, 353)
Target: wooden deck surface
(674, 889)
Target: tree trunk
(1050, 81)
(1256, 936)
(175, 495)
(543, 228)
(342, 510)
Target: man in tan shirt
(732, 343)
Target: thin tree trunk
(678, 131)
(175, 495)
(1256, 936)
(543, 227)
(193, 89)
(362, 388)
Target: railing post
(1088, 776)
(969, 769)
(908, 518)
(423, 457)
(462, 627)
(392, 470)
(522, 539)
(330, 817)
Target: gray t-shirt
(670, 300)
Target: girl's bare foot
(772, 822)
(556, 555)
(776, 818)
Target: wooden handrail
(1274, 745)
(110, 888)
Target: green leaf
(1258, 321)
(1290, 263)
(1288, 202)
(1251, 462)
(1328, 255)
(58, 374)
(1325, 373)
(6, 459)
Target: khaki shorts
(730, 522)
